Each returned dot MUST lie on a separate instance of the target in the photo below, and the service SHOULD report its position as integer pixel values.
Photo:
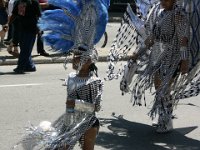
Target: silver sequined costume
(70, 127)
(86, 93)
(166, 29)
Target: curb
(115, 17)
(4, 62)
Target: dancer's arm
(182, 28)
(99, 97)
(147, 44)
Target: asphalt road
(41, 96)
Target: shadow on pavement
(3, 58)
(128, 135)
(12, 73)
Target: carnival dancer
(162, 57)
(84, 95)
(74, 29)
(169, 41)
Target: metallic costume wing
(144, 6)
(130, 36)
(190, 86)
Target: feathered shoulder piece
(78, 23)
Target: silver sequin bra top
(84, 88)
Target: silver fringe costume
(71, 126)
(166, 28)
(74, 28)
(86, 92)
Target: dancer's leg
(164, 123)
(90, 138)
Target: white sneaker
(155, 121)
(165, 124)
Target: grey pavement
(39, 96)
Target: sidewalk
(7, 59)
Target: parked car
(120, 5)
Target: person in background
(14, 29)
(27, 13)
(9, 35)
(40, 45)
(3, 22)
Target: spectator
(40, 45)
(10, 8)
(13, 28)
(3, 22)
(27, 13)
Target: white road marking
(17, 85)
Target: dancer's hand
(134, 56)
(184, 68)
(70, 103)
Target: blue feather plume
(102, 20)
(53, 39)
(70, 5)
(60, 26)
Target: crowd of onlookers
(18, 19)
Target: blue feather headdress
(78, 23)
